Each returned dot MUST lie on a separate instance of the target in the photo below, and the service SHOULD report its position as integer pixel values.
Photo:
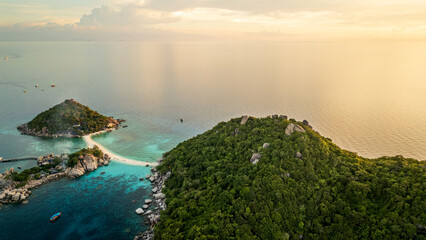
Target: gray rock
(299, 155)
(148, 212)
(148, 201)
(293, 127)
(16, 197)
(159, 196)
(139, 211)
(145, 206)
(244, 119)
(155, 189)
(265, 145)
(255, 158)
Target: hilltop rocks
(265, 145)
(293, 127)
(299, 155)
(159, 196)
(244, 119)
(255, 158)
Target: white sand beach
(90, 143)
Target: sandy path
(90, 143)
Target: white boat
(1, 158)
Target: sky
(188, 20)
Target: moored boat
(55, 216)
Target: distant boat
(25, 91)
(53, 85)
(1, 158)
(55, 216)
(5, 58)
(36, 85)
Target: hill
(68, 119)
(273, 178)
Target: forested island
(68, 119)
(273, 178)
(15, 186)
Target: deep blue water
(368, 98)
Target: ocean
(369, 97)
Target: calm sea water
(368, 97)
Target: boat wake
(91, 143)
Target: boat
(36, 85)
(55, 217)
(53, 85)
(1, 158)
(5, 58)
(25, 91)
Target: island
(68, 119)
(15, 186)
(277, 178)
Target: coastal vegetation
(68, 119)
(258, 180)
(14, 186)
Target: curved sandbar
(90, 143)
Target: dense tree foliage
(69, 116)
(214, 192)
(73, 157)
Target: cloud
(220, 19)
(129, 15)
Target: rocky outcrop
(255, 158)
(292, 128)
(158, 203)
(87, 163)
(244, 119)
(9, 193)
(265, 145)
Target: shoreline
(91, 143)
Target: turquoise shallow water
(367, 97)
(94, 206)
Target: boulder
(155, 189)
(16, 197)
(151, 179)
(236, 131)
(148, 212)
(293, 127)
(244, 119)
(2, 196)
(265, 145)
(139, 211)
(148, 176)
(145, 206)
(159, 196)
(148, 201)
(305, 122)
(91, 162)
(255, 158)
(299, 155)
(75, 172)
(284, 117)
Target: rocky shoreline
(158, 203)
(13, 192)
(44, 132)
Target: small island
(68, 119)
(15, 186)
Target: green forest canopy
(69, 116)
(214, 192)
